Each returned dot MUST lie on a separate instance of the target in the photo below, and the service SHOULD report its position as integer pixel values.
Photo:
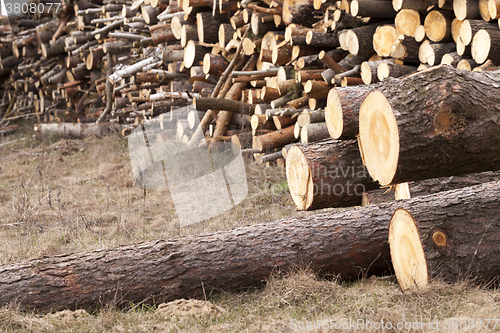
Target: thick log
(360, 40)
(437, 26)
(485, 46)
(372, 8)
(301, 12)
(466, 9)
(162, 33)
(194, 53)
(207, 27)
(435, 130)
(432, 53)
(322, 39)
(407, 50)
(384, 38)
(313, 132)
(455, 240)
(416, 5)
(327, 174)
(470, 27)
(407, 21)
(342, 111)
(347, 244)
(493, 10)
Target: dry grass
(59, 196)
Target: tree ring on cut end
(333, 114)
(407, 253)
(378, 138)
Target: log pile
(347, 93)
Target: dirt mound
(182, 308)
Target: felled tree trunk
(442, 128)
(459, 237)
(327, 174)
(349, 244)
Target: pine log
(274, 139)
(434, 133)
(360, 40)
(485, 46)
(317, 89)
(313, 132)
(407, 50)
(162, 33)
(327, 174)
(437, 26)
(416, 5)
(432, 53)
(372, 8)
(207, 27)
(455, 240)
(342, 111)
(347, 244)
(466, 9)
(214, 64)
(407, 21)
(384, 38)
(194, 53)
(388, 69)
(301, 12)
(322, 39)
(470, 27)
(493, 10)
(209, 103)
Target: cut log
(407, 50)
(327, 174)
(313, 132)
(209, 103)
(372, 8)
(384, 39)
(432, 53)
(416, 5)
(348, 244)
(437, 26)
(466, 9)
(207, 28)
(360, 40)
(194, 53)
(438, 242)
(470, 27)
(274, 139)
(493, 10)
(388, 69)
(301, 12)
(406, 22)
(485, 46)
(434, 133)
(342, 111)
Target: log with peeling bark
(433, 133)
(327, 174)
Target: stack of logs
(262, 75)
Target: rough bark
(342, 110)
(459, 235)
(438, 122)
(329, 173)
